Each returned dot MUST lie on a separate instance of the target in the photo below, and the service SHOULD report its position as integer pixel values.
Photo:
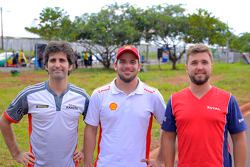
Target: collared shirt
(53, 122)
(125, 122)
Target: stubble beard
(126, 80)
(199, 81)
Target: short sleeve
(169, 123)
(17, 108)
(86, 105)
(235, 119)
(159, 107)
(93, 112)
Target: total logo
(213, 108)
(72, 107)
(113, 106)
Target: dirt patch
(180, 79)
(176, 80)
(31, 78)
(154, 144)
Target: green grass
(231, 77)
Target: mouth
(200, 73)
(57, 71)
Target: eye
(52, 60)
(205, 62)
(62, 60)
(133, 62)
(194, 63)
(121, 61)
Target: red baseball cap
(127, 48)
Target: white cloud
(18, 14)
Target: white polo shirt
(125, 122)
(53, 122)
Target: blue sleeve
(169, 121)
(18, 107)
(235, 119)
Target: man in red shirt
(201, 117)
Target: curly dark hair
(59, 46)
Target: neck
(200, 90)
(58, 86)
(126, 87)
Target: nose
(128, 65)
(57, 63)
(199, 65)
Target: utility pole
(2, 46)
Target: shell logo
(113, 106)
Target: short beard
(198, 82)
(126, 80)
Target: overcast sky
(18, 14)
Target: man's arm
(9, 138)
(167, 148)
(89, 144)
(239, 149)
(166, 155)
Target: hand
(152, 163)
(25, 158)
(78, 156)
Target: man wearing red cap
(124, 110)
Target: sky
(18, 14)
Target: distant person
(53, 108)
(40, 58)
(21, 58)
(77, 56)
(124, 109)
(14, 58)
(90, 60)
(86, 59)
(201, 116)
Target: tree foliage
(54, 25)
(205, 28)
(107, 30)
(241, 43)
(115, 25)
(170, 28)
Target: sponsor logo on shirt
(113, 106)
(213, 108)
(72, 107)
(241, 120)
(150, 91)
(42, 106)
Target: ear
(70, 67)
(186, 67)
(46, 67)
(115, 66)
(139, 67)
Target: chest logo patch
(42, 106)
(113, 106)
(72, 107)
(213, 108)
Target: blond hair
(198, 48)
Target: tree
(105, 31)
(54, 25)
(205, 28)
(241, 42)
(170, 27)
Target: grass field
(231, 77)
